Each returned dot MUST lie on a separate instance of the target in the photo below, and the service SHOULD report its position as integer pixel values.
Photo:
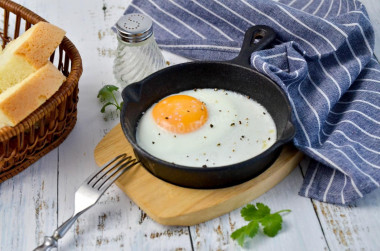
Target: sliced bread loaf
(20, 100)
(28, 53)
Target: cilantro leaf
(107, 96)
(250, 212)
(252, 228)
(239, 235)
(272, 224)
(258, 214)
(106, 93)
(103, 110)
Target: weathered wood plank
(373, 9)
(301, 229)
(28, 205)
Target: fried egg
(206, 128)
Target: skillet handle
(255, 39)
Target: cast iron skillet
(235, 75)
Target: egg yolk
(180, 113)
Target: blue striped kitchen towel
(324, 61)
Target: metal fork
(89, 193)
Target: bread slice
(28, 53)
(18, 101)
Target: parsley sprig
(256, 215)
(107, 96)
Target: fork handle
(52, 241)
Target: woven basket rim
(65, 89)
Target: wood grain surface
(35, 202)
(173, 205)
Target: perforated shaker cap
(134, 28)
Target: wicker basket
(50, 124)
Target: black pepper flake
(206, 159)
(211, 125)
(153, 142)
(166, 118)
(205, 137)
(188, 111)
(187, 156)
(233, 150)
(226, 93)
(204, 166)
(195, 89)
(218, 144)
(159, 134)
(232, 124)
(175, 136)
(239, 122)
(269, 138)
(264, 113)
(243, 136)
(220, 110)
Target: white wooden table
(35, 202)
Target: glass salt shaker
(138, 54)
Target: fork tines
(111, 171)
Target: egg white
(238, 128)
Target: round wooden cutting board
(169, 204)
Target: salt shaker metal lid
(134, 28)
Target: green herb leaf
(259, 214)
(252, 228)
(239, 235)
(250, 212)
(272, 224)
(106, 94)
(103, 110)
